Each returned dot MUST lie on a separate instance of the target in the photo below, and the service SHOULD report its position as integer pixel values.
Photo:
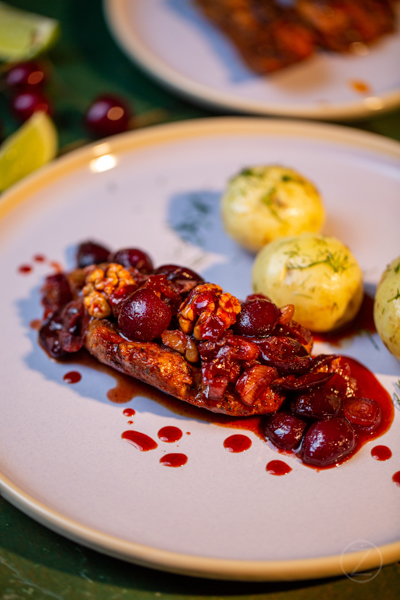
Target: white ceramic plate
(174, 43)
(62, 459)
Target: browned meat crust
(166, 370)
(270, 36)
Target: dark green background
(35, 563)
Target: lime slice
(23, 35)
(33, 145)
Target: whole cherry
(27, 102)
(25, 75)
(107, 115)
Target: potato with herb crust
(263, 203)
(316, 273)
(387, 308)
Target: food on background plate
(263, 203)
(317, 274)
(190, 339)
(387, 308)
(270, 35)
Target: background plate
(62, 459)
(173, 42)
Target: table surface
(36, 563)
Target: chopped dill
(268, 199)
(397, 268)
(335, 260)
(396, 297)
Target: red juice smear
(396, 478)
(237, 443)
(175, 459)
(278, 467)
(381, 453)
(129, 412)
(72, 377)
(25, 269)
(170, 434)
(141, 441)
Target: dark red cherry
(133, 257)
(327, 442)
(91, 253)
(362, 412)
(28, 75)
(183, 278)
(319, 404)
(27, 102)
(257, 318)
(144, 316)
(284, 430)
(107, 115)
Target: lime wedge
(23, 34)
(30, 147)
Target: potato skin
(387, 308)
(316, 273)
(263, 203)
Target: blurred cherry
(26, 75)
(107, 115)
(25, 103)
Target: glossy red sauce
(35, 324)
(140, 440)
(363, 322)
(25, 269)
(170, 434)
(278, 467)
(396, 478)
(175, 459)
(39, 258)
(129, 412)
(72, 377)
(360, 86)
(237, 443)
(381, 453)
(130, 422)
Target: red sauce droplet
(129, 412)
(170, 434)
(381, 453)
(175, 459)
(35, 324)
(360, 86)
(141, 441)
(278, 467)
(364, 321)
(72, 377)
(56, 266)
(39, 258)
(396, 478)
(237, 443)
(25, 269)
(130, 422)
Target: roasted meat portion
(271, 35)
(339, 24)
(267, 35)
(188, 338)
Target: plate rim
(199, 566)
(117, 17)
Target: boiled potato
(316, 273)
(263, 203)
(387, 308)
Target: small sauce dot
(278, 467)
(175, 459)
(360, 86)
(170, 434)
(396, 478)
(35, 324)
(39, 258)
(141, 441)
(72, 377)
(381, 453)
(128, 412)
(237, 443)
(24, 269)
